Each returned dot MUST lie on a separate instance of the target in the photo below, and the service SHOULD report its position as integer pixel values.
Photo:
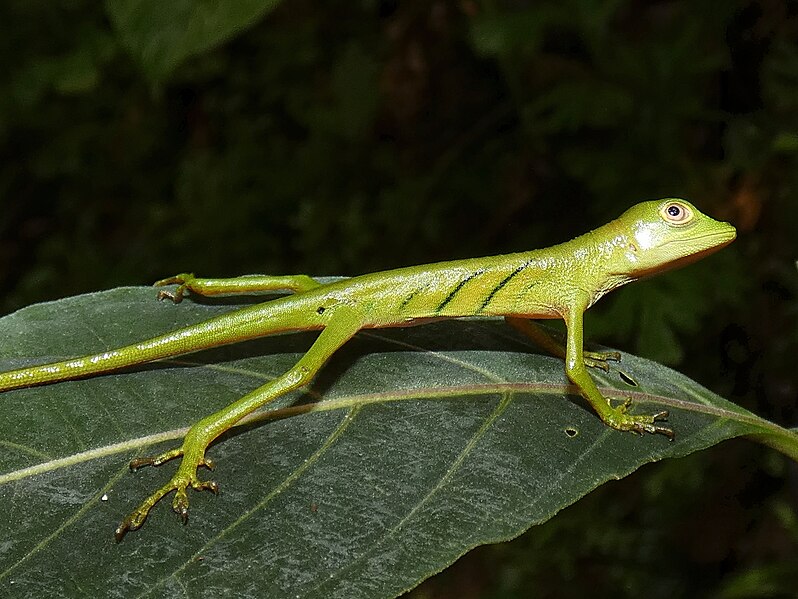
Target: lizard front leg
(548, 343)
(246, 284)
(616, 417)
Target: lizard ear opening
(676, 213)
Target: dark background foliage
(347, 136)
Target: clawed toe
(652, 428)
(182, 280)
(176, 297)
(157, 460)
(639, 423)
(208, 485)
(600, 359)
(125, 526)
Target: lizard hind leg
(344, 323)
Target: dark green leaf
(160, 35)
(412, 447)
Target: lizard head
(669, 233)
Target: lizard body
(561, 281)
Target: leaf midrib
(425, 393)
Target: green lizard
(557, 282)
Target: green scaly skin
(557, 282)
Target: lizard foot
(599, 359)
(620, 420)
(184, 478)
(184, 282)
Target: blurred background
(141, 138)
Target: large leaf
(160, 35)
(413, 446)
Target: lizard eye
(676, 213)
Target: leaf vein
(284, 484)
(447, 476)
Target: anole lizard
(557, 282)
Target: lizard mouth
(709, 242)
(705, 245)
(697, 246)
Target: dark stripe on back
(407, 300)
(454, 291)
(504, 282)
